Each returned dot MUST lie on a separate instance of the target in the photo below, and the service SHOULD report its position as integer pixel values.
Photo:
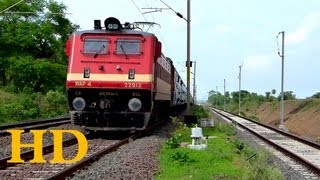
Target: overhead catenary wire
(159, 31)
(139, 10)
(177, 13)
(159, 10)
(141, 14)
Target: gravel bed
(251, 140)
(5, 142)
(136, 160)
(36, 170)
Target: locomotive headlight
(86, 72)
(113, 26)
(78, 103)
(131, 74)
(134, 104)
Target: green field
(225, 158)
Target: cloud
(258, 63)
(310, 23)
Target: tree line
(232, 99)
(32, 40)
(33, 64)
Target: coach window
(127, 46)
(95, 46)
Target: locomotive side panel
(163, 79)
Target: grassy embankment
(24, 106)
(225, 158)
(301, 116)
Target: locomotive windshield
(95, 46)
(125, 46)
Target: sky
(224, 35)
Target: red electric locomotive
(117, 77)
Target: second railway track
(300, 149)
(37, 124)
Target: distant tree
(287, 95)
(268, 95)
(211, 92)
(317, 95)
(216, 98)
(227, 95)
(244, 94)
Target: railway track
(96, 149)
(304, 151)
(61, 170)
(38, 124)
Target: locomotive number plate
(82, 83)
(132, 85)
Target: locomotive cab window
(128, 46)
(95, 46)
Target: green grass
(310, 103)
(225, 158)
(24, 106)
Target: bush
(22, 109)
(181, 157)
(200, 112)
(238, 144)
(57, 104)
(228, 129)
(18, 107)
(173, 142)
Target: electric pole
(188, 44)
(194, 83)
(188, 57)
(239, 88)
(224, 94)
(216, 97)
(281, 126)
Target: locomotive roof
(123, 31)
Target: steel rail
(301, 159)
(310, 143)
(33, 122)
(27, 126)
